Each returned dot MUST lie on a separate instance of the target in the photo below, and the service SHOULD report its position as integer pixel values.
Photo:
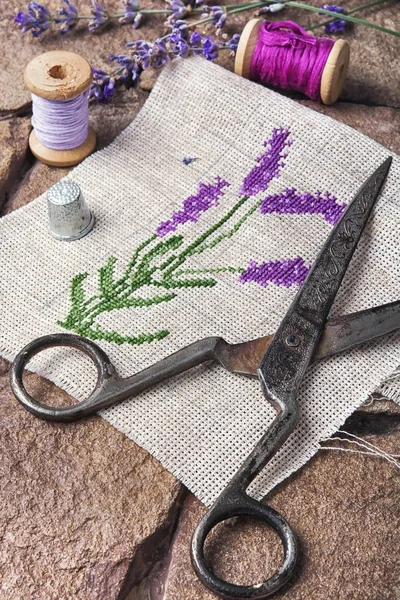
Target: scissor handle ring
(241, 504)
(105, 373)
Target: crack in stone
(155, 549)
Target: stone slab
(13, 148)
(379, 123)
(372, 77)
(84, 510)
(344, 509)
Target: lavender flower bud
(210, 49)
(273, 8)
(233, 42)
(68, 17)
(100, 17)
(337, 25)
(36, 20)
(131, 13)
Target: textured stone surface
(379, 123)
(37, 179)
(344, 509)
(13, 146)
(372, 78)
(85, 513)
(83, 509)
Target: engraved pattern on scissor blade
(283, 367)
(344, 237)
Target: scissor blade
(351, 330)
(285, 362)
(340, 334)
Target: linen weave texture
(202, 424)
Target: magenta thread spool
(59, 82)
(283, 55)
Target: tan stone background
(85, 514)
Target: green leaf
(96, 333)
(128, 302)
(143, 272)
(171, 283)
(77, 298)
(140, 302)
(77, 294)
(106, 278)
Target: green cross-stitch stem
(140, 272)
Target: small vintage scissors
(280, 362)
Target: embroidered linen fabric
(216, 246)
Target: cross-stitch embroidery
(158, 263)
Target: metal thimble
(69, 216)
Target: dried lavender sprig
(144, 54)
(351, 11)
(347, 17)
(38, 18)
(337, 25)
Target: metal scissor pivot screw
(292, 340)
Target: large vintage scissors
(280, 362)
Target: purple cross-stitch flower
(269, 163)
(68, 17)
(286, 272)
(36, 20)
(207, 195)
(100, 17)
(337, 25)
(132, 14)
(291, 202)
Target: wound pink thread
(289, 58)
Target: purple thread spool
(284, 56)
(59, 82)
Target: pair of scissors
(279, 361)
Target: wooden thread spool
(333, 75)
(59, 75)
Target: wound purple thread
(289, 58)
(269, 163)
(207, 196)
(61, 125)
(286, 272)
(292, 203)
